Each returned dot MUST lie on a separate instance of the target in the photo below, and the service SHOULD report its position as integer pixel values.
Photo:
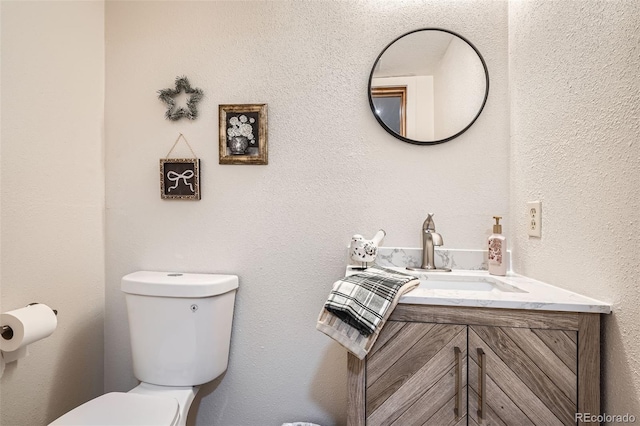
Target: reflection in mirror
(444, 84)
(391, 104)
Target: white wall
(333, 171)
(53, 201)
(576, 146)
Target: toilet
(180, 329)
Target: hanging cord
(176, 143)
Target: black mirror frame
(413, 141)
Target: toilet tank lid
(178, 284)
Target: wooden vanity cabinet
(436, 365)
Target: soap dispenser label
(495, 251)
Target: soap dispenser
(497, 250)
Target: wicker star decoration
(173, 113)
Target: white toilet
(180, 327)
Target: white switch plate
(534, 218)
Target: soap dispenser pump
(497, 250)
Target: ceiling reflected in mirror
(428, 86)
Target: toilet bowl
(180, 329)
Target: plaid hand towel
(362, 300)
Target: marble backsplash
(444, 258)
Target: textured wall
(332, 172)
(575, 88)
(53, 201)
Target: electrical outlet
(534, 217)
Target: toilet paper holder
(7, 332)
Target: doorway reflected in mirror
(391, 105)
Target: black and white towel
(362, 300)
(359, 305)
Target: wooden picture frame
(180, 178)
(243, 134)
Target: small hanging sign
(180, 177)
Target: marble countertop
(533, 294)
(477, 288)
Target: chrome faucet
(430, 239)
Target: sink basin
(449, 281)
(457, 284)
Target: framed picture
(180, 178)
(243, 134)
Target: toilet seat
(123, 409)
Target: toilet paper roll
(29, 324)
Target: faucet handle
(429, 224)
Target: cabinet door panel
(563, 344)
(427, 366)
(402, 340)
(389, 331)
(544, 358)
(442, 417)
(436, 407)
(525, 383)
(499, 408)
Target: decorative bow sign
(184, 176)
(180, 177)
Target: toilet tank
(179, 325)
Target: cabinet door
(416, 374)
(520, 376)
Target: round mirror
(428, 86)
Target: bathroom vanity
(469, 348)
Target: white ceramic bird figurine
(365, 251)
